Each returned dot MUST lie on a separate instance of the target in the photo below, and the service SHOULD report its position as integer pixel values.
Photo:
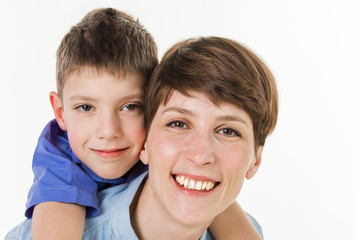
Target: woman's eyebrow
(179, 110)
(232, 118)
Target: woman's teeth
(188, 183)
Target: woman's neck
(151, 221)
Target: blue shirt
(60, 176)
(113, 220)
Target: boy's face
(199, 155)
(103, 116)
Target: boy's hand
(55, 220)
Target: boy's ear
(58, 110)
(255, 164)
(143, 155)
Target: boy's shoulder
(21, 231)
(114, 212)
(113, 220)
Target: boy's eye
(229, 132)
(85, 108)
(131, 107)
(177, 124)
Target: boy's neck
(150, 221)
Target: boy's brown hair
(222, 69)
(106, 39)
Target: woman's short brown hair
(222, 69)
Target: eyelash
(135, 105)
(174, 124)
(88, 108)
(181, 124)
(83, 106)
(233, 132)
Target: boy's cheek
(137, 129)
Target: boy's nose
(108, 127)
(200, 149)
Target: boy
(103, 65)
(211, 103)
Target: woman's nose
(200, 149)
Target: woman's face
(199, 154)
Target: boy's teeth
(192, 184)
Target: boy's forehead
(91, 82)
(91, 72)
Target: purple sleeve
(58, 176)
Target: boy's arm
(233, 224)
(56, 220)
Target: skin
(103, 117)
(55, 220)
(194, 138)
(233, 224)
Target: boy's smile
(103, 116)
(109, 153)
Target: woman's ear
(57, 108)
(254, 166)
(143, 155)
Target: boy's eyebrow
(134, 95)
(87, 98)
(80, 97)
(232, 118)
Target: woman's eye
(177, 124)
(131, 107)
(85, 108)
(229, 132)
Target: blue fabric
(113, 220)
(256, 225)
(60, 176)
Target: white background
(305, 186)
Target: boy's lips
(109, 153)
